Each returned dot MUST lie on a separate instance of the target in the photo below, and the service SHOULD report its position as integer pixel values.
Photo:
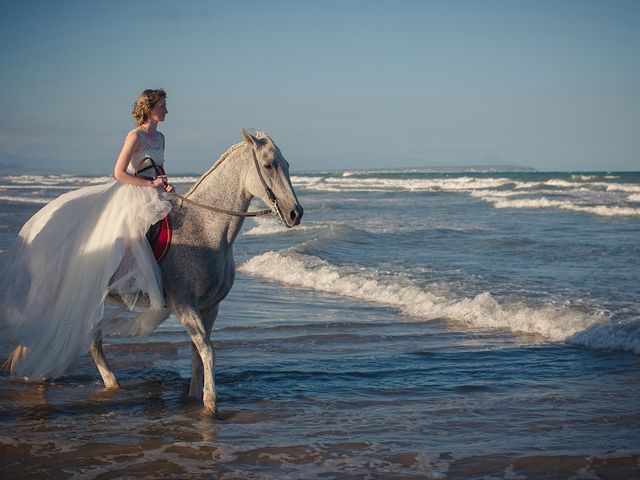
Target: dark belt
(159, 171)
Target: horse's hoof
(209, 404)
(210, 412)
(112, 384)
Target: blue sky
(553, 85)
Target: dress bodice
(150, 147)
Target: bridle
(274, 210)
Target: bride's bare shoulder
(134, 134)
(133, 137)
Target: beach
(417, 324)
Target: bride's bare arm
(130, 147)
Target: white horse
(199, 269)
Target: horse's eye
(268, 166)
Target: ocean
(417, 324)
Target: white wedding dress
(68, 257)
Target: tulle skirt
(68, 257)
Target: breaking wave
(584, 193)
(14, 199)
(375, 184)
(270, 226)
(554, 323)
(499, 201)
(56, 179)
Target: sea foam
(15, 199)
(269, 226)
(56, 179)
(555, 323)
(583, 192)
(543, 202)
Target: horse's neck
(222, 188)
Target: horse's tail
(12, 362)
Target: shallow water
(410, 328)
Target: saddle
(159, 237)
(159, 234)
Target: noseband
(274, 210)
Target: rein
(274, 210)
(258, 213)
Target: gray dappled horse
(199, 269)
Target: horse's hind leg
(195, 386)
(108, 377)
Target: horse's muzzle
(295, 216)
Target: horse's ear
(253, 141)
(250, 139)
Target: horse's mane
(223, 157)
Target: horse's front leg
(195, 386)
(192, 320)
(108, 377)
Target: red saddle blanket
(159, 236)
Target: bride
(82, 246)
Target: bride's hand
(164, 183)
(167, 187)
(159, 182)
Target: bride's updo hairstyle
(146, 101)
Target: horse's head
(272, 173)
